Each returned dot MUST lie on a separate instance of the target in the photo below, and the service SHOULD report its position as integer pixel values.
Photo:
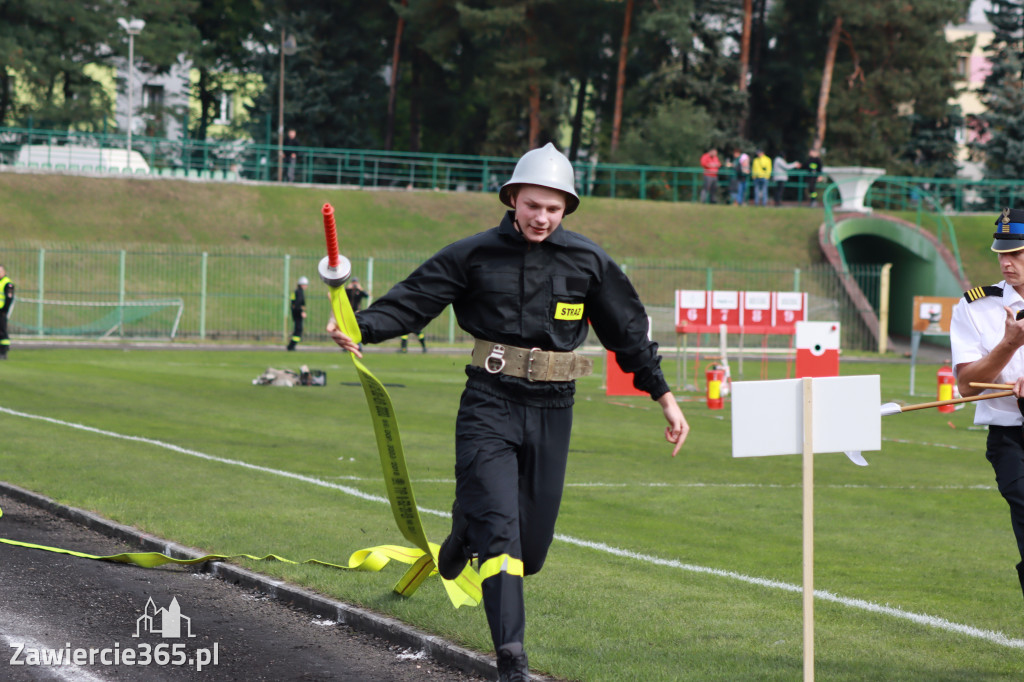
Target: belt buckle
(498, 354)
(529, 364)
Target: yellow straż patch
(569, 311)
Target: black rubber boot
(1020, 574)
(452, 558)
(512, 663)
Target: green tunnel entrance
(918, 268)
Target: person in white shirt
(986, 338)
(780, 175)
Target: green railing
(242, 294)
(75, 152)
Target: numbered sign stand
(733, 312)
(805, 416)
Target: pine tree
(335, 92)
(896, 67)
(1003, 94)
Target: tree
(335, 92)
(620, 80)
(1002, 144)
(49, 46)
(686, 58)
(396, 49)
(226, 29)
(891, 69)
(786, 87)
(441, 98)
(46, 46)
(931, 150)
(517, 37)
(673, 134)
(821, 118)
(896, 64)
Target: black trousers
(509, 471)
(5, 342)
(297, 328)
(1005, 451)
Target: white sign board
(767, 416)
(817, 337)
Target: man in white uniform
(986, 339)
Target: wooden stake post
(804, 416)
(808, 528)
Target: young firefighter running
(525, 290)
(986, 340)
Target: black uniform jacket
(507, 290)
(298, 301)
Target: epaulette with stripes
(976, 293)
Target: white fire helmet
(545, 167)
(303, 280)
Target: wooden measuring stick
(978, 384)
(956, 401)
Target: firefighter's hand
(1013, 333)
(343, 339)
(303, 314)
(1018, 388)
(677, 428)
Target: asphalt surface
(242, 627)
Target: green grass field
(664, 569)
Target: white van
(80, 158)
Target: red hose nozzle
(331, 234)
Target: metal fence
(243, 294)
(66, 151)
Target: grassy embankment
(63, 209)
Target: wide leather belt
(532, 364)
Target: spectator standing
(710, 162)
(761, 171)
(814, 176)
(525, 290)
(741, 163)
(298, 311)
(420, 336)
(780, 175)
(6, 303)
(291, 155)
(356, 294)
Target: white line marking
(904, 441)
(895, 612)
(921, 619)
(662, 484)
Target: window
(961, 66)
(225, 109)
(152, 97)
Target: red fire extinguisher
(714, 377)
(946, 384)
